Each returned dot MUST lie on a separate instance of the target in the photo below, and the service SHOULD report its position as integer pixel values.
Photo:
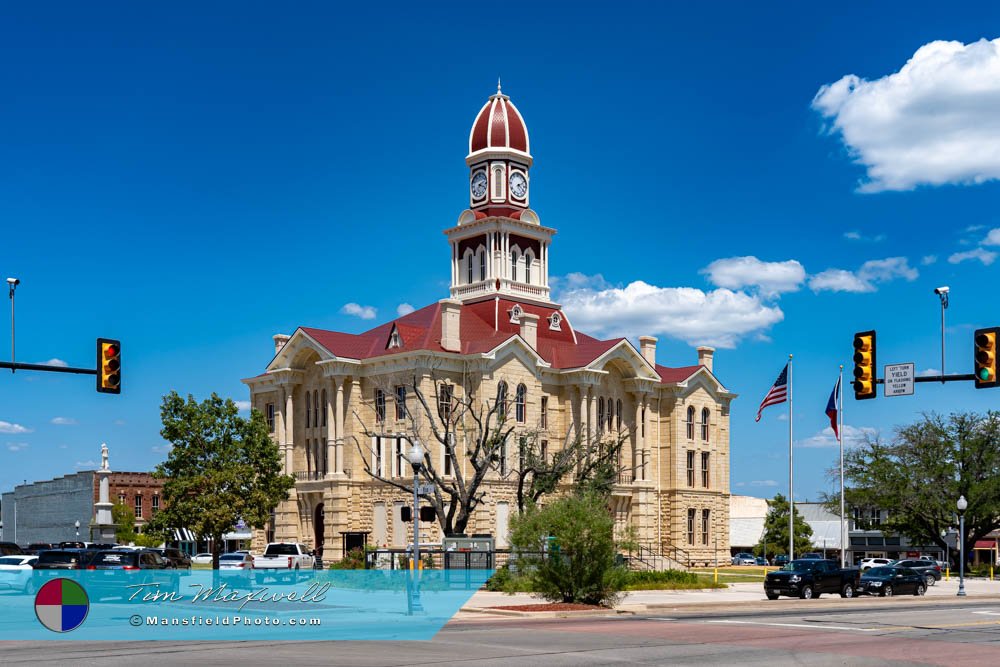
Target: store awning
(184, 535)
(985, 544)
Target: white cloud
(763, 482)
(119, 422)
(720, 317)
(404, 309)
(86, 464)
(16, 446)
(933, 122)
(162, 449)
(927, 372)
(927, 260)
(866, 278)
(63, 421)
(55, 362)
(771, 278)
(987, 257)
(242, 406)
(8, 427)
(853, 436)
(993, 238)
(858, 236)
(364, 312)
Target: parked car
(811, 577)
(119, 559)
(930, 570)
(868, 563)
(284, 560)
(202, 559)
(176, 558)
(16, 571)
(10, 549)
(744, 559)
(761, 560)
(887, 580)
(812, 555)
(36, 547)
(72, 545)
(780, 560)
(63, 559)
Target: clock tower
(499, 247)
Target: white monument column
(103, 529)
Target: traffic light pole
(45, 367)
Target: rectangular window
(121, 498)
(400, 459)
(643, 427)
(520, 412)
(690, 526)
(138, 506)
(690, 468)
(522, 446)
(704, 427)
(269, 412)
(875, 518)
(377, 456)
(379, 406)
(690, 424)
(401, 402)
(544, 451)
(705, 517)
(544, 414)
(704, 469)
(447, 458)
(444, 402)
(502, 463)
(156, 504)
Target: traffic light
(427, 513)
(109, 366)
(406, 514)
(986, 357)
(864, 365)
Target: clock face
(518, 185)
(478, 186)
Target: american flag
(778, 392)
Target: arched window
(315, 408)
(528, 259)
(482, 264)
(520, 407)
(513, 262)
(498, 182)
(308, 409)
(501, 399)
(690, 423)
(600, 414)
(704, 424)
(618, 414)
(611, 414)
(469, 263)
(324, 407)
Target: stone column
(331, 430)
(591, 430)
(289, 430)
(638, 440)
(339, 418)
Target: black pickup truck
(810, 578)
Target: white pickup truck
(283, 558)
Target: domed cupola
(498, 159)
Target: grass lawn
(736, 574)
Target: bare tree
(476, 431)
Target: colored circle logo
(61, 605)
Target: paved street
(727, 629)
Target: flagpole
(840, 437)
(791, 493)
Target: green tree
(124, 519)
(567, 549)
(222, 468)
(775, 538)
(918, 477)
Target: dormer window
(395, 340)
(555, 321)
(515, 314)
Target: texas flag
(831, 408)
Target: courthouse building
(498, 332)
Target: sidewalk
(738, 596)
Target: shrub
(567, 550)
(354, 560)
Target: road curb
(548, 614)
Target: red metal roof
(483, 326)
(498, 125)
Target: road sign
(899, 380)
(425, 489)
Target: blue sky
(194, 179)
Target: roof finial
(498, 85)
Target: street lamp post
(77, 526)
(12, 284)
(942, 292)
(947, 551)
(416, 458)
(962, 505)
